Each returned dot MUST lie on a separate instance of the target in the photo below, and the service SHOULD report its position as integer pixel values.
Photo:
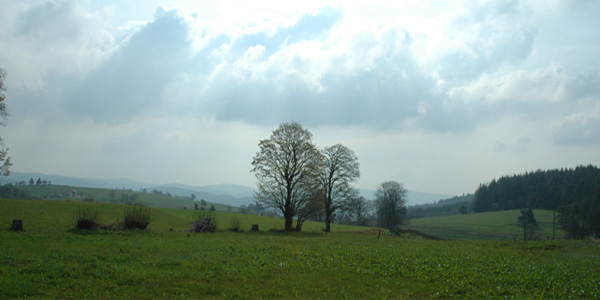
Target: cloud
(580, 129)
(545, 94)
(484, 36)
(48, 42)
(134, 78)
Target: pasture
(51, 260)
(499, 225)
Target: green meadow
(500, 225)
(50, 259)
(61, 192)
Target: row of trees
(300, 181)
(573, 193)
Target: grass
(61, 192)
(51, 260)
(501, 225)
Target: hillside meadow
(499, 225)
(52, 260)
(102, 195)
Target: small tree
(340, 168)
(528, 222)
(212, 208)
(358, 208)
(462, 209)
(390, 199)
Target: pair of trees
(298, 179)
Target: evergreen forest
(574, 194)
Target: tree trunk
(289, 221)
(299, 223)
(328, 213)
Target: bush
(86, 218)
(204, 222)
(235, 224)
(136, 217)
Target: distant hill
(228, 194)
(414, 197)
(120, 183)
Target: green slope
(62, 192)
(501, 225)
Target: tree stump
(254, 227)
(17, 225)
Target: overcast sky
(440, 96)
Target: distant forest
(446, 207)
(574, 193)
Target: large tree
(390, 199)
(4, 159)
(287, 167)
(340, 168)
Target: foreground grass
(144, 265)
(51, 260)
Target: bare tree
(341, 167)
(4, 159)
(390, 199)
(358, 208)
(287, 168)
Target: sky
(440, 96)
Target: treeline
(446, 207)
(574, 193)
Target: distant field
(61, 192)
(51, 260)
(501, 225)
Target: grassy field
(51, 260)
(501, 225)
(61, 192)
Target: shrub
(136, 217)
(204, 221)
(86, 218)
(235, 224)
